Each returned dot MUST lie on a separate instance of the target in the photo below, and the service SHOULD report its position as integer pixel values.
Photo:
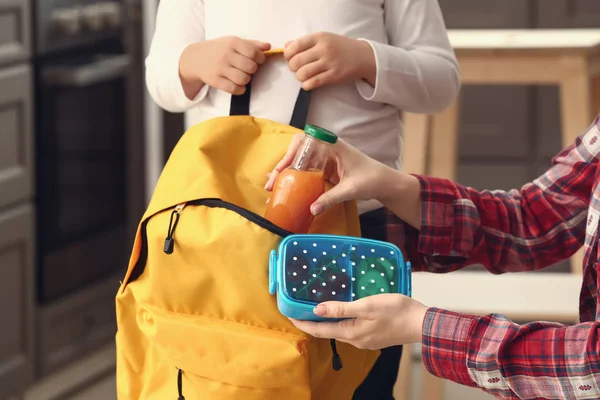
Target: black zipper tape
(140, 265)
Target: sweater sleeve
(417, 70)
(179, 23)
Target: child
(365, 60)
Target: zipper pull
(336, 360)
(180, 384)
(170, 241)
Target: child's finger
(302, 60)
(252, 50)
(309, 71)
(263, 46)
(242, 63)
(298, 46)
(322, 79)
(228, 86)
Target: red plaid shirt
(545, 222)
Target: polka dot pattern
(318, 271)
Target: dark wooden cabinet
(568, 13)
(16, 148)
(77, 324)
(15, 35)
(17, 252)
(487, 14)
(495, 122)
(509, 134)
(493, 175)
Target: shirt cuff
(446, 345)
(364, 88)
(440, 244)
(442, 237)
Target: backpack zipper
(217, 203)
(170, 241)
(180, 384)
(249, 215)
(336, 360)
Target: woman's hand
(356, 176)
(372, 323)
(225, 63)
(326, 59)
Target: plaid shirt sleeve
(519, 230)
(540, 360)
(542, 223)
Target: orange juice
(303, 182)
(293, 194)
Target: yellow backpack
(194, 313)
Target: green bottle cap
(321, 134)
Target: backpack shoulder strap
(240, 105)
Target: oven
(88, 144)
(81, 159)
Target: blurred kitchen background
(81, 145)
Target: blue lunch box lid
(309, 269)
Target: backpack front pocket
(213, 354)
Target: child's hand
(226, 63)
(325, 58)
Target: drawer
(490, 176)
(16, 138)
(15, 28)
(495, 121)
(77, 325)
(568, 13)
(16, 299)
(487, 14)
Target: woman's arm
(179, 24)
(539, 360)
(417, 70)
(532, 228)
(536, 360)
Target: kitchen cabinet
(77, 325)
(495, 120)
(16, 149)
(17, 252)
(487, 14)
(15, 35)
(568, 13)
(17, 216)
(508, 134)
(554, 14)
